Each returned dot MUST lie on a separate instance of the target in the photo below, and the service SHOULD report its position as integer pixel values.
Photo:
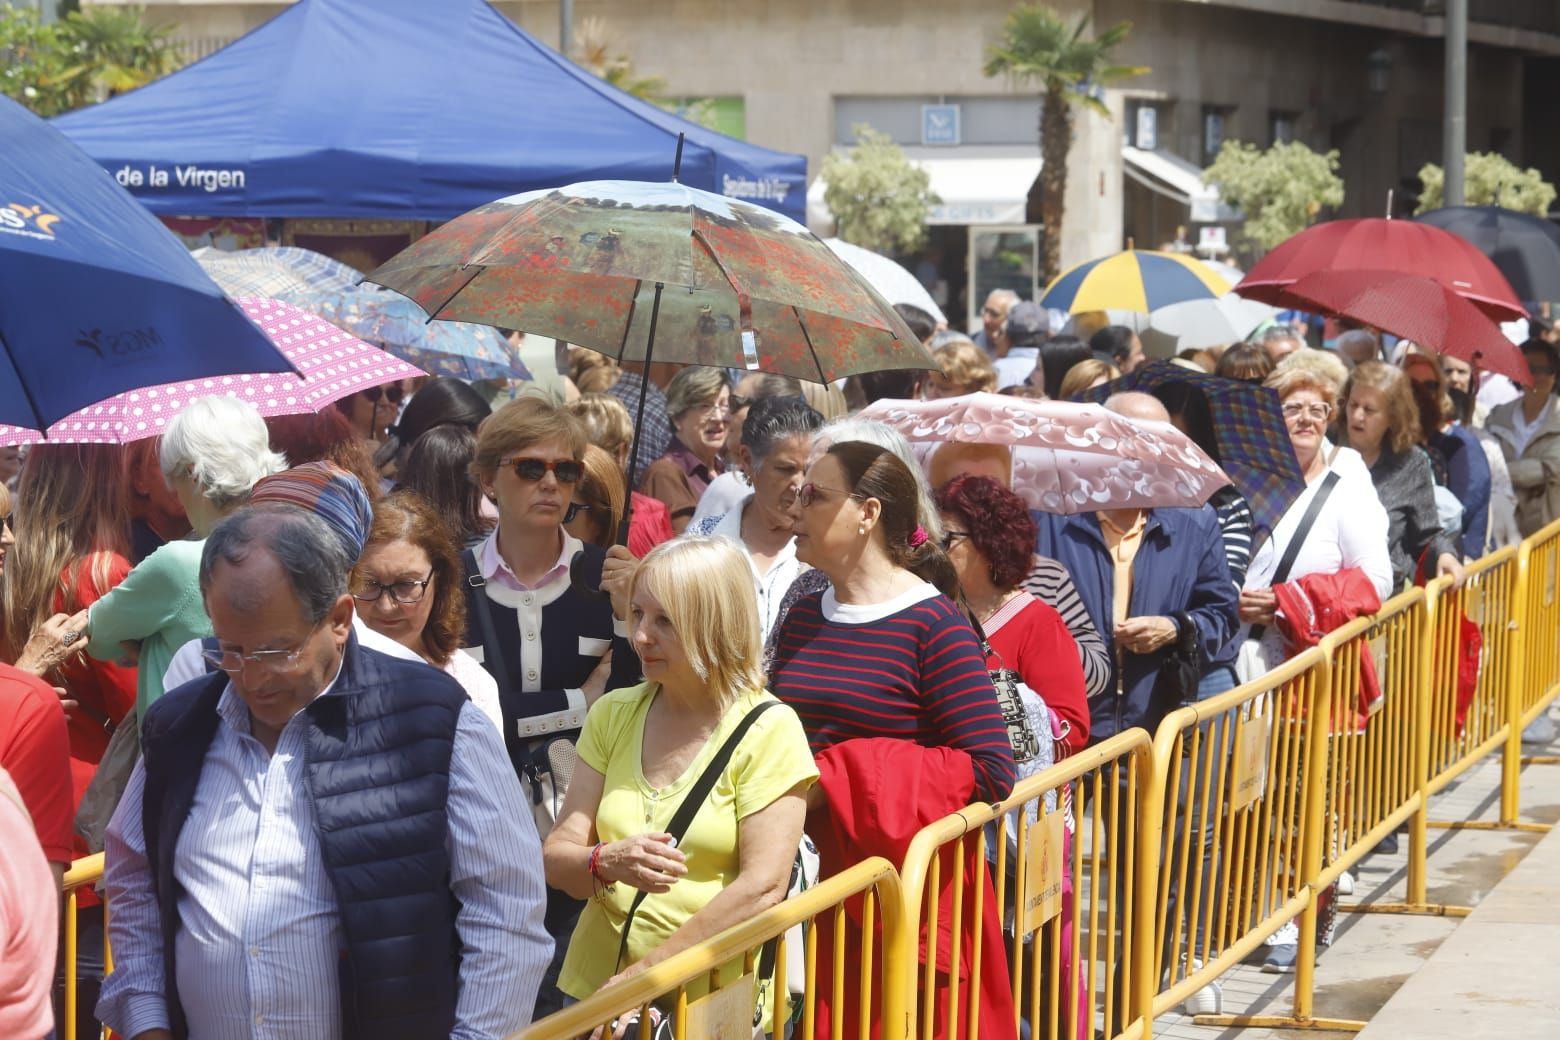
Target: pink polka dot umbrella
(333, 364)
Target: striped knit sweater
(910, 669)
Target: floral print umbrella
(1067, 458)
(636, 269)
(398, 326)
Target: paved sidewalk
(1384, 968)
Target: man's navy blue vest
(377, 761)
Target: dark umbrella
(96, 296)
(1249, 438)
(638, 270)
(1525, 248)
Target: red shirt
(35, 750)
(649, 524)
(1034, 642)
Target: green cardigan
(158, 605)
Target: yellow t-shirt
(771, 760)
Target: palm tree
(1039, 46)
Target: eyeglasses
(392, 393)
(1319, 412)
(949, 537)
(403, 592)
(233, 662)
(574, 509)
(1541, 370)
(810, 491)
(713, 409)
(568, 471)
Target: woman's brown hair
(874, 472)
(405, 516)
(602, 492)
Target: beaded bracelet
(600, 885)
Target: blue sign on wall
(939, 124)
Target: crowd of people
(437, 711)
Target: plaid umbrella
(1250, 440)
(275, 271)
(398, 326)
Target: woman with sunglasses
(698, 400)
(1529, 433)
(596, 512)
(372, 410)
(407, 585)
(546, 638)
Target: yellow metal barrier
(83, 873)
(1238, 806)
(1072, 957)
(871, 887)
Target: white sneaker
(1207, 1001)
(1345, 884)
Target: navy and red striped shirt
(915, 672)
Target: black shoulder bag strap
(492, 650)
(1292, 550)
(692, 802)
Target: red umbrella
(1374, 244)
(1416, 308)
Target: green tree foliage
(596, 51)
(87, 57)
(1281, 190)
(1039, 46)
(1490, 179)
(878, 197)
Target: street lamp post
(566, 27)
(1455, 129)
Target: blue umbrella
(398, 326)
(96, 296)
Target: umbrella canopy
(398, 326)
(96, 296)
(276, 271)
(333, 365)
(1525, 248)
(1135, 280)
(1067, 458)
(1202, 323)
(1250, 441)
(1383, 245)
(1421, 309)
(888, 277)
(631, 268)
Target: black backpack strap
(692, 802)
(478, 604)
(1292, 550)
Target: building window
(1143, 126)
(1281, 127)
(1213, 121)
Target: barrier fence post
(1511, 755)
(1419, 721)
(1313, 832)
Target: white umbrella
(888, 277)
(1196, 324)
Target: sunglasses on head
(392, 393)
(567, 471)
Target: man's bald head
(1135, 404)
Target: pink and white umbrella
(333, 364)
(1067, 458)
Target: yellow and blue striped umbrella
(1136, 280)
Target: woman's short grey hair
(693, 387)
(851, 428)
(310, 552)
(224, 445)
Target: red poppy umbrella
(1416, 308)
(1379, 245)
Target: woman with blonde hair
(1086, 375)
(702, 710)
(1381, 422)
(966, 369)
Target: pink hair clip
(918, 537)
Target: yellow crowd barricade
(1239, 840)
(1063, 854)
(83, 873)
(863, 904)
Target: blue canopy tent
(399, 109)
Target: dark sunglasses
(950, 537)
(393, 394)
(567, 471)
(576, 508)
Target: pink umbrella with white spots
(333, 364)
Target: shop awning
(1176, 178)
(976, 185)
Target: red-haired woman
(990, 537)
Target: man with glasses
(320, 840)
